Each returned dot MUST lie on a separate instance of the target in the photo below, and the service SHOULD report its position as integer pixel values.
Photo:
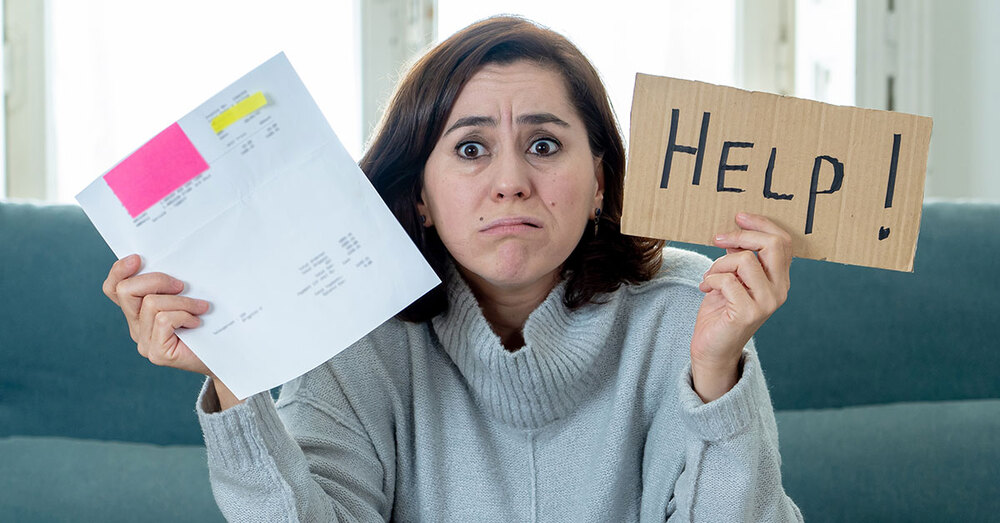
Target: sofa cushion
(62, 479)
(853, 335)
(67, 364)
(901, 462)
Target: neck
(505, 308)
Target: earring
(597, 219)
(423, 219)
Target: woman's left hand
(743, 288)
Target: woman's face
(512, 182)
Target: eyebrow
(525, 119)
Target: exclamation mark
(883, 232)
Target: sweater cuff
(726, 416)
(237, 438)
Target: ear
(423, 210)
(599, 174)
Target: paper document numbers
(822, 163)
(351, 245)
(321, 276)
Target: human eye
(470, 150)
(544, 147)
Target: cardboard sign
(847, 183)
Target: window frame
(26, 118)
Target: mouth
(513, 223)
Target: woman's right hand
(153, 310)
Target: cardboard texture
(846, 183)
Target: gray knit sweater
(595, 419)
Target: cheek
(451, 206)
(569, 196)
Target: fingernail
(204, 305)
(741, 216)
(720, 238)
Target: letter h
(672, 147)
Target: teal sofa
(886, 384)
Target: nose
(512, 179)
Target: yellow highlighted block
(238, 111)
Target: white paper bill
(270, 220)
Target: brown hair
(415, 120)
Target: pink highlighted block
(158, 168)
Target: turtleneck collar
(545, 379)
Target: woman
(563, 371)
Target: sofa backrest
(847, 335)
(854, 336)
(67, 364)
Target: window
(682, 39)
(825, 38)
(121, 71)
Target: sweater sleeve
(260, 472)
(732, 468)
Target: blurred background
(86, 83)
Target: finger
(170, 302)
(131, 291)
(155, 304)
(746, 239)
(734, 292)
(164, 341)
(756, 222)
(120, 270)
(760, 224)
(774, 251)
(751, 275)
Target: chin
(507, 269)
